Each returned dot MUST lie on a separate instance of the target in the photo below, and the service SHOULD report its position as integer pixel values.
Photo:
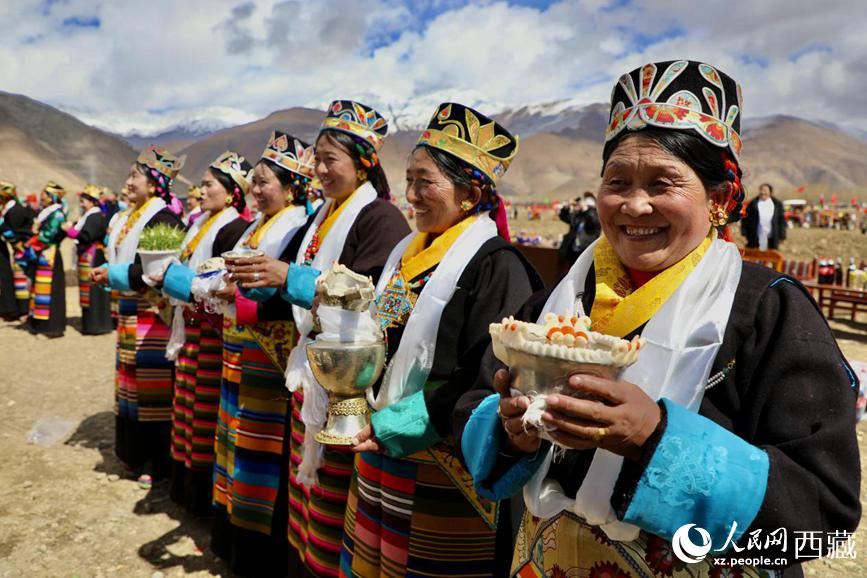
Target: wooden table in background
(838, 297)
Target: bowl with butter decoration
(541, 357)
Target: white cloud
(151, 65)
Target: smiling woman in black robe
(743, 422)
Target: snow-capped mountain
(162, 127)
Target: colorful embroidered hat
(357, 120)
(7, 189)
(291, 153)
(90, 192)
(56, 191)
(681, 95)
(232, 164)
(162, 161)
(472, 137)
(194, 192)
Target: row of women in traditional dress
(740, 403)
(32, 279)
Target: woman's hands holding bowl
(262, 271)
(511, 411)
(620, 419)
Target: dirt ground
(68, 508)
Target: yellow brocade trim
(194, 243)
(256, 237)
(160, 305)
(133, 218)
(419, 257)
(276, 338)
(443, 456)
(566, 546)
(618, 309)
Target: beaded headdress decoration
(91, 192)
(472, 137)
(291, 153)
(7, 189)
(358, 120)
(232, 164)
(56, 191)
(682, 95)
(162, 161)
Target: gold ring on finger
(600, 433)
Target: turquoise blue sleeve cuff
(480, 445)
(404, 428)
(300, 285)
(118, 277)
(258, 294)
(702, 474)
(178, 281)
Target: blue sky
(129, 66)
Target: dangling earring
(718, 215)
(466, 205)
(361, 176)
(228, 200)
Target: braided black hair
(160, 182)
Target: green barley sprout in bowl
(161, 237)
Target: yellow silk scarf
(619, 308)
(131, 221)
(333, 215)
(418, 257)
(256, 237)
(194, 243)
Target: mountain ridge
(559, 155)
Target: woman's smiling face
(271, 197)
(335, 168)
(653, 206)
(434, 198)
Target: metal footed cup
(346, 371)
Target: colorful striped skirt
(316, 513)
(405, 517)
(197, 394)
(40, 300)
(22, 283)
(194, 413)
(251, 427)
(115, 298)
(94, 300)
(143, 385)
(13, 302)
(85, 265)
(48, 297)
